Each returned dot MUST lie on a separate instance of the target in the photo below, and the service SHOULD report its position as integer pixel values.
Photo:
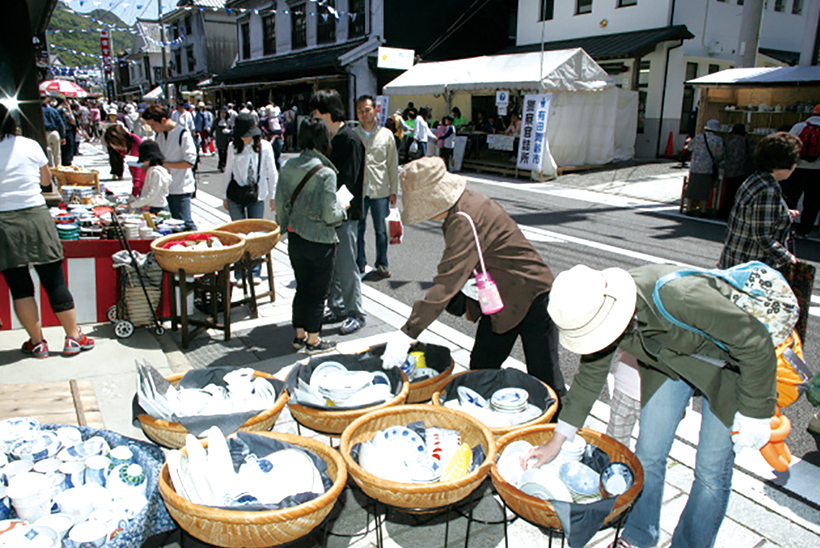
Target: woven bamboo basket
(66, 175)
(257, 246)
(172, 434)
(541, 512)
(198, 261)
(423, 391)
(418, 496)
(237, 529)
(335, 422)
(499, 431)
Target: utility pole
(164, 60)
(749, 33)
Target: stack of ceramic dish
(333, 385)
(162, 400)
(582, 481)
(68, 231)
(207, 476)
(95, 490)
(507, 406)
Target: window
(298, 18)
(325, 22)
(797, 7)
(175, 31)
(740, 2)
(357, 19)
(189, 57)
(146, 64)
(547, 10)
(188, 25)
(269, 34)
(712, 69)
(178, 61)
(583, 6)
(157, 74)
(688, 98)
(625, 3)
(779, 5)
(245, 40)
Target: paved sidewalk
(761, 514)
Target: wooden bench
(73, 403)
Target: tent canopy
(154, 94)
(761, 77)
(561, 70)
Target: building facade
(202, 42)
(655, 46)
(144, 60)
(289, 48)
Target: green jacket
(747, 383)
(315, 214)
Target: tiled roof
(621, 45)
(151, 36)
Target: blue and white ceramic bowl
(580, 479)
(616, 479)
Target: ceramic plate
(508, 398)
(425, 470)
(221, 475)
(412, 440)
(421, 373)
(173, 458)
(580, 478)
(198, 465)
(470, 396)
(321, 371)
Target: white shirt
(155, 189)
(20, 161)
(185, 119)
(176, 149)
(423, 132)
(238, 165)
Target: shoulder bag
(304, 181)
(245, 195)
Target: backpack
(810, 136)
(764, 293)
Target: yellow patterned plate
(459, 464)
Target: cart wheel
(124, 329)
(112, 314)
(160, 331)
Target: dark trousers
(539, 335)
(223, 157)
(730, 185)
(313, 267)
(52, 279)
(67, 150)
(804, 181)
(116, 161)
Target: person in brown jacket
(522, 277)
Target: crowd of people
(321, 199)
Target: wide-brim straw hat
(591, 308)
(428, 189)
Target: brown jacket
(513, 263)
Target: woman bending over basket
(306, 206)
(28, 237)
(599, 311)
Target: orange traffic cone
(670, 146)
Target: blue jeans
(378, 211)
(180, 207)
(253, 211)
(701, 518)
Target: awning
(761, 77)
(312, 62)
(566, 70)
(791, 58)
(621, 45)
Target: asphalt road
(567, 231)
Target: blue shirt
(52, 120)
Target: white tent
(585, 125)
(154, 95)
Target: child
(157, 179)
(625, 404)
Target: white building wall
(716, 27)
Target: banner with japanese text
(533, 139)
(105, 46)
(382, 109)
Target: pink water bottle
(488, 295)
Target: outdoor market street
(764, 510)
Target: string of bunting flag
(93, 56)
(231, 11)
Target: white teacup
(69, 436)
(34, 512)
(17, 467)
(47, 465)
(60, 523)
(96, 469)
(31, 489)
(88, 534)
(120, 455)
(74, 473)
(77, 502)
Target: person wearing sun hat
(430, 192)
(599, 311)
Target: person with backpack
(805, 180)
(731, 363)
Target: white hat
(112, 110)
(591, 308)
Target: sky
(127, 10)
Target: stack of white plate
(509, 400)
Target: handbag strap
(709, 150)
(301, 185)
(475, 235)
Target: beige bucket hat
(428, 189)
(591, 308)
